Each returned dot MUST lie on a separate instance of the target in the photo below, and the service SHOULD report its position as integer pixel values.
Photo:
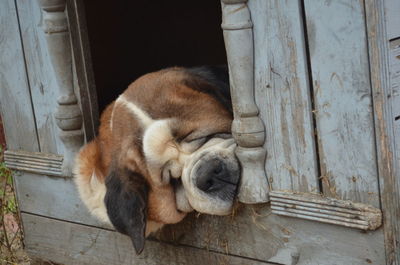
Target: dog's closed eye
(193, 141)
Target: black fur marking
(126, 203)
(215, 76)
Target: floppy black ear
(126, 203)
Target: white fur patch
(140, 114)
(92, 193)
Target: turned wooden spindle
(67, 114)
(247, 127)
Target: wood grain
(247, 127)
(254, 232)
(392, 18)
(85, 83)
(343, 104)
(388, 161)
(53, 197)
(41, 75)
(394, 75)
(35, 162)
(69, 244)
(16, 104)
(326, 210)
(283, 94)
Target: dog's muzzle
(211, 176)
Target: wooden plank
(388, 163)
(53, 197)
(326, 210)
(252, 232)
(397, 143)
(34, 162)
(255, 232)
(41, 75)
(394, 75)
(342, 94)
(83, 67)
(16, 105)
(283, 94)
(69, 244)
(392, 11)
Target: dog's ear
(126, 203)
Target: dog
(164, 149)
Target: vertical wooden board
(16, 105)
(342, 94)
(53, 197)
(69, 243)
(388, 165)
(394, 75)
(283, 94)
(83, 71)
(397, 144)
(41, 75)
(392, 16)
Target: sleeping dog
(164, 148)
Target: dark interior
(130, 38)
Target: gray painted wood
(85, 86)
(342, 93)
(53, 197)
(283, 94)
(394, 75)
(392, 17)
(247, 127)
(35, 162)
(253, 232)
(69, 244)
(67, 114)
(388, 162)
(324, 209)
(41, 75)
(15, 101)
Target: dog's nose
(214, 175)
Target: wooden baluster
(68, 115)
(247, 127)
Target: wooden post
(67, 115)
(247, 127)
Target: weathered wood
(247, 127)
(83, 66)
(388, 163)
(35, 162)
(282, 93)
(394, 75)
(16, 105)
(256, 232)
(67, 115)
(41, 76)
(53, 197)
(343, 104)
(327, 210)
(253, 232)
(392, 18)
(69, 243)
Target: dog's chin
(210, 180)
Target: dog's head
(164, 148)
